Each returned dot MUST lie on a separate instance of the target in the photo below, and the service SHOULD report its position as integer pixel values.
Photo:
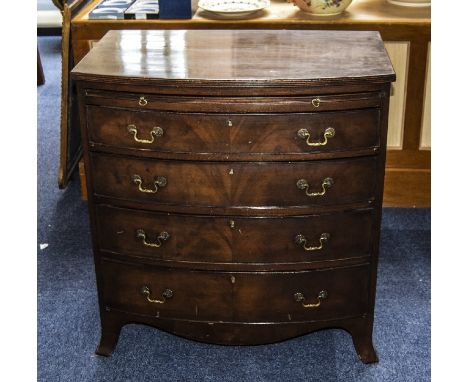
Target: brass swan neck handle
(302, 184)
(299, 297)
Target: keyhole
(231, 171)
(229, 122)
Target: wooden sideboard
(407, 36)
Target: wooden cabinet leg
(110, 333)
(361, 331)
(40, 71)
(83, 186)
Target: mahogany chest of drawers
(236, 181)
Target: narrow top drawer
(312, 103)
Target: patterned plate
(233, 7)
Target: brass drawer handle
(163, 236)
(156, 132)
(303, 185)
(304, 134)
(302, 242)
(160, 181)
(146, 291)
(142, 101)
(299, 297)
(315, 102)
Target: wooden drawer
(224, 184)
(199, 104)
(260, 134)
(195, 295)
(239, 296)
(273, 297)
(217, 239)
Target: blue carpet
(68, 322)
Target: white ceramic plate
(233, 8)
(411, 3)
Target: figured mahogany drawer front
(302, 104)
(239, 297)
(280, 297)
(305, 133)
(217, 239)
(224, 184)
(176, 294)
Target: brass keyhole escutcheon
(229, 123)
(232, 224)
(231, 171)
